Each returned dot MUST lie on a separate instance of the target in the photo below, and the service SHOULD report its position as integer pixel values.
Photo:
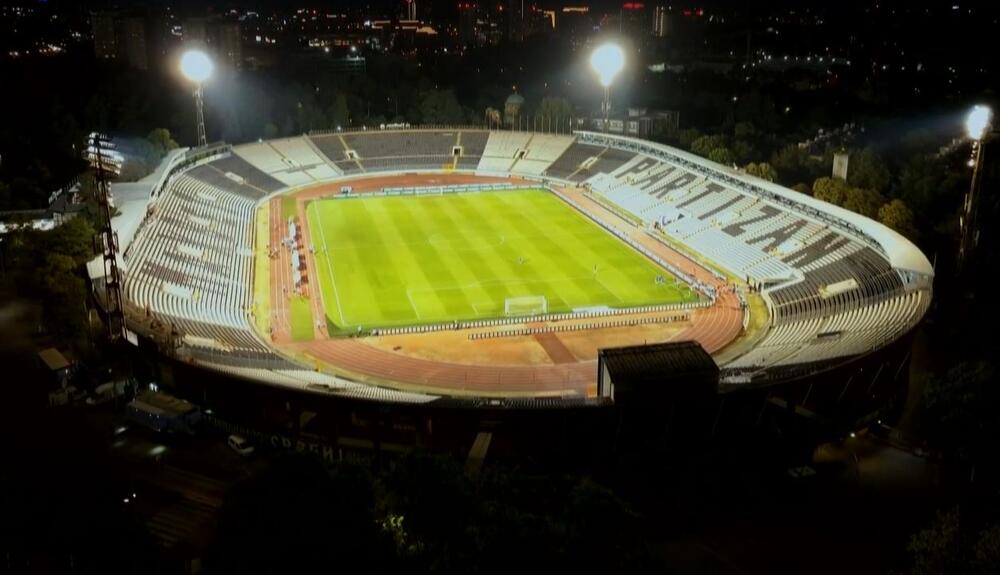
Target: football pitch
(409, 260)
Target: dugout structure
(647, 374)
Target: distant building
(633, 21)
(195, 32)
(468, 18)
(138, 38)
(133, 46)
(638, 122)
(514, 12)
(574, 22)
(229, 44)
(663, 23)
(104, 31)
(224, 38)
(57, 365)
(63, 206)
(840, 166)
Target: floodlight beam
(607, 60)
(197, 67)
(977, 126)
(977, 123)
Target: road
(177, 484)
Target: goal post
(526, 305)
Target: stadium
(474, 267)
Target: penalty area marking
(329, 264)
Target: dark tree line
(423, 515)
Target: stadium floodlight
(977, 126)
(197, 67)
(607, 60)
(978, 122)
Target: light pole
(197, 67)
(977, 126)
(607, 60)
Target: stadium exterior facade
(837, 286)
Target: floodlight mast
(607, 60)
(106, 165)
(977, 127)
(197, 67)
(199, 103)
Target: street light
(607, 60)
(197, 67)
(977, 127)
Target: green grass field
(394, 261)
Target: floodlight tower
(977, 127)
(197, 67)
(607, 60)
(107, 163)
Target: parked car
(240, 445)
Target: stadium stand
(831, 287)
(502, 150)
(401, 144)
(836, 285)
(391, 150)
(592, 160)
(238, 176)
(292, 161)
(541, 151)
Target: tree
(161, 140)
(704, 145)
(897, 216)
(721, 155)
(743, 151)
(686, 137)
(744, 130)
(952, 545)
(938, 548)
(47, 266)
(553, 114)
(867, 170)
(440, 107)
(830, 190)
(961, 411)
(762, 170)
(863, 201)
(295, 517)
(795, 165)
(338, 113)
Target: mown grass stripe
(525, 278)
(446, 250)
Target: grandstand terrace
(835, 284)
(392, 150)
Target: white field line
(409, 296)
(329, 264)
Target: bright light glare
(607, 60)
(978, 122)
(196, 66)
